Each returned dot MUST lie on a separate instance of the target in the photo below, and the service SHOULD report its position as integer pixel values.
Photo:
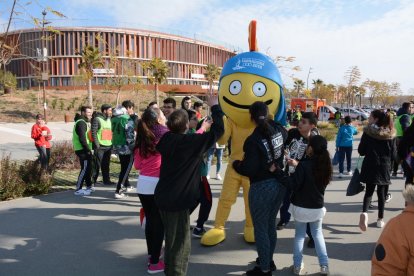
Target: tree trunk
(117, 96)
(156, 94)
(90, 100)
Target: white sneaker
(298, 270)
(388, 197)
(340, 175)
(363, 221)
(349, 173)
(218, 177)
(208, 176)
(324, 270)
(120, 195)
(90, 189)
(82, 192)
(380, 223)
(128, 189)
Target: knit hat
(256, 63)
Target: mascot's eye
(235, 87)
(259, 89)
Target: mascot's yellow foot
(249, 234)
(213, 237)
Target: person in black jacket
(378, 146)
(405, 150)
(83, 149)
(102, 143)
(177, 191)
(308, 184)
(263, 148)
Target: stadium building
(186, 57)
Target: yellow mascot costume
(246, 78)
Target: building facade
(186, 58)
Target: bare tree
(352, 77)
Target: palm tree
(212, 73)
(317, 83)
(298, 85)
(91, 58)
(157, 73)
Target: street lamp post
(45, 76)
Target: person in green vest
(123, 140)
(401, 123)
(82, 145)
(101, 129)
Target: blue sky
(329, 36)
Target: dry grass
(22, 106)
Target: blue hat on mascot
(256, 63)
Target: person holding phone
(41, 136)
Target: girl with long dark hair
(308, 184)
(262, 149)
(150, 129)
(378, 146)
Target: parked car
(353, 113)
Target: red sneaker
(156, 268)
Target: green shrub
(61, 105)
(11, 184)
(63, 157)
(37, 180)
(54, 103)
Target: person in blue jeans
(344, 142)
(308, 184)
(218, 151)
(263, 148)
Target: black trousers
(381, 193)
(103, 158)
(205, 201)
(154, 229)
(126, 165)
(85, 160)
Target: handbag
(335, 159)
(355, 186)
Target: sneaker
(340, 175)
(394, 174)
(128, 189)
(363, 221)
(388, 197)
(256, 271)
(208, 176)
(324, 270)
(272, 264)
(198, 232)
(82, 192)
(281, 225)
(218, 177)
(120, 195)
(311, 243)
(380, 223)
(156, 268)
(298, 270)
(90, 189)
(349, 173)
